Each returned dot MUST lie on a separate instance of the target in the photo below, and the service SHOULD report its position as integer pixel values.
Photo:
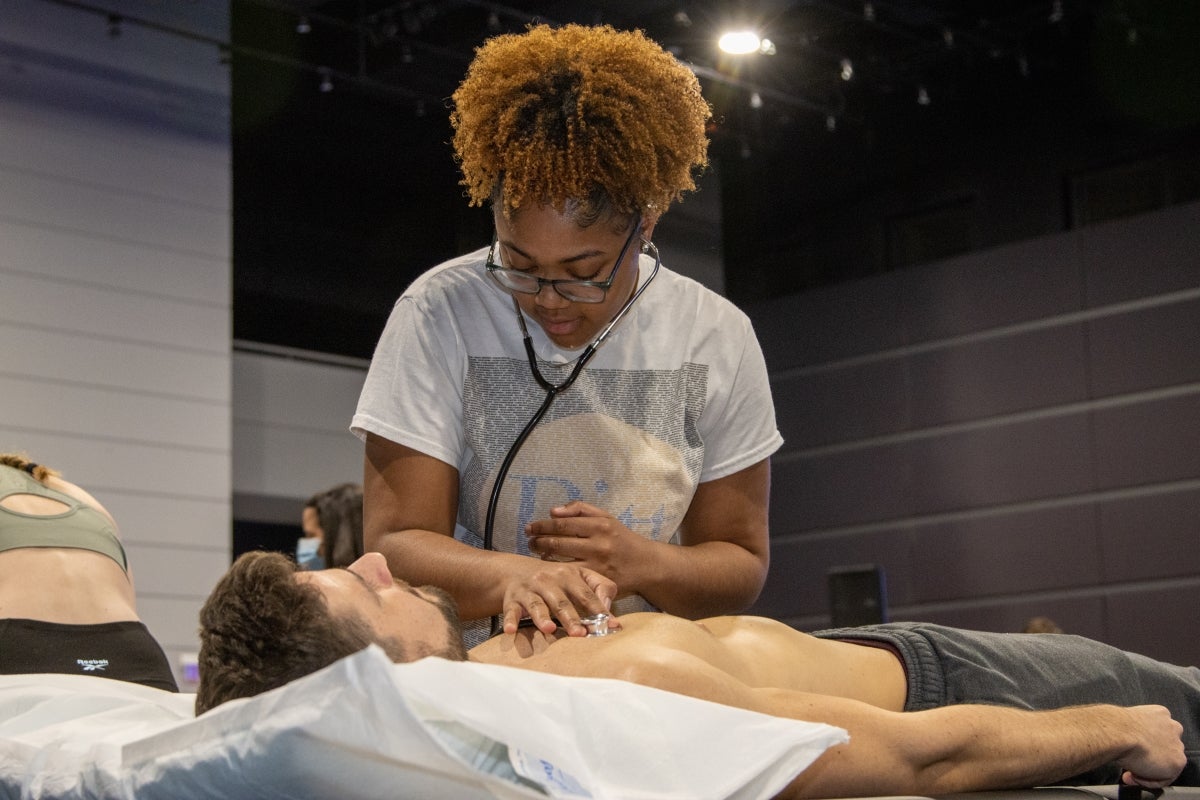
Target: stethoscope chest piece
(596, 625)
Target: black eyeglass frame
(499, 274)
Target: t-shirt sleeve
(739, 426)
(412, 394)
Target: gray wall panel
(1012, 433)
(833, 323)
(1154, 441)
(1157, 621)
(1025, 460)
(846, 488)
(797, 587)
(827, 406)
(1141, 256)
(1151, 535)
(97, 260)
(1028, 370)
(1006, 554)
(1145, 349)
(1025, 281)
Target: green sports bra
(80, 526)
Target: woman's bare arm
(410, 503)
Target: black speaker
(857, 595)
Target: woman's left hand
(579, 531)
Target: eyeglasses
(513, 280)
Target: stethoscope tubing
(552, 391)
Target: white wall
(291, 429)
(115, 280)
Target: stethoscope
(552, 391)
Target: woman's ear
(648, 224)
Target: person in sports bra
(67, 600)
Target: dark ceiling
(344, 186)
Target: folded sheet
(365, 727)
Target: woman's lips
(559, 327)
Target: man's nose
(373, 568)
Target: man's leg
(947, 666)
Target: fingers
(563, 593)
(602, 587)
(1160, 756)
(591, 538)
(1129, 780)
(577, 508)
(557, 548)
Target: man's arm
(953, 749)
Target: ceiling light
(756, 100)
(303, 25)
(847, 69)
(831, 123)
(326, 84)
(922, 96)
(739, 43)
(869, 12)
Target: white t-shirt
(675, 396)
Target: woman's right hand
(549, 590)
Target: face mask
(308, 553)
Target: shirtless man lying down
(930, 710)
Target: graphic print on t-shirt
(622, 440)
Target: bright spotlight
(739, 43)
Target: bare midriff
(65, 585)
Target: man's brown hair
(602, 120)
(261, 628)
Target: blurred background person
(333, 528)
(1041, 625)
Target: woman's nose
(548, 297)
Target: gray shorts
(947, 666)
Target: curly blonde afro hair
(591, 118)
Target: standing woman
(561, 394)
(66, 594)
